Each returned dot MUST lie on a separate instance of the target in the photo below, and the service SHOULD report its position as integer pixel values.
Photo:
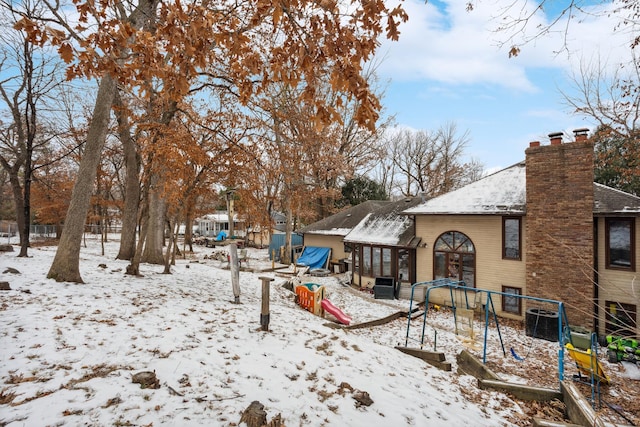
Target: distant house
(279, 221)
(262, 236)
(210, 225)
(540, 228)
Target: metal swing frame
(564, 332)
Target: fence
(9, 232)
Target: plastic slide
(588, 364)
(335, 311)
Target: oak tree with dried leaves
(179, 45)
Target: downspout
(596, 283)
(360, 262)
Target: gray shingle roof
(607, 200)
(374, 222)
(341, 223)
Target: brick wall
(559, 225)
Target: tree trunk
(66, 263)
(155, 227)
(31, 125)
(167, 257)
(134, 268)
(288, 230)
(132, 187)
(16, 189)
(188, 229)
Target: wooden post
(264, 313)
(235, 272)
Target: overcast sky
(448, 67)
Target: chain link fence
(38, 233)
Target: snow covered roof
(378, 222)
(218, 217)
(387, 226)
(333, 232)
(503, 192)
(341, 223)
(387, 230)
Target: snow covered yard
(69, 352)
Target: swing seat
(588, 364)
(515, 355)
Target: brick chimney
(559, 224)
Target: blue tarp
(314, 257)
(221, 236)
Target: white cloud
(443, 42)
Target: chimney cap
(581, 131)
(556, 138)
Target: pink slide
(335, 311)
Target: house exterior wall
(364, 281)
(485, 231)
(559, 249)
(327, 241)
(616, 285)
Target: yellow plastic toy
(588, 364)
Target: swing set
(533, 336)
(465, 299)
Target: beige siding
(365, 281)
(259, 238)
(616, 285)
(324, 241)
(492, 272)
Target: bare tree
(610, 98)
(430, 163)
(30, 78)
(414, 154)
(519, 22)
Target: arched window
(454, 256)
